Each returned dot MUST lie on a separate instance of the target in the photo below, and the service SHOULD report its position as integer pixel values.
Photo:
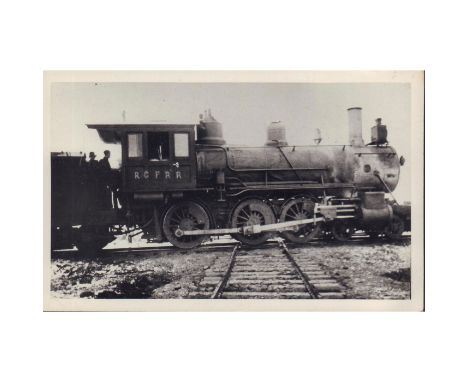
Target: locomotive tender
(183, 184)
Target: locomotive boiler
(184, 184)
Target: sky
(244, 109)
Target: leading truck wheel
(395, 229)
(252, 212)
(185, 216)
(298, 209)
(342, 231)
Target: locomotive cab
(155, 158)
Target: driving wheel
(252, 212)
(298, 209)
(185, 216)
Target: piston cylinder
(376, 213)
(376, 218)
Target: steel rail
(217, 293)
(219, 289)
(210, 246)
(309, 287)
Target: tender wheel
(185, 216)
(395, 229)
(252, 212)
(298, 209)
(342, 231)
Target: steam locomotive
(183, 184)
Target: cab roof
(112, 133)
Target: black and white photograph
(249, 190)
(278, 190)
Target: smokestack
(355, 126)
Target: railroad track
(272, 274)
(148, 250)
(211, 246)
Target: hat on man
(92, 155)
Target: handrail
(377, 174)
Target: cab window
(135, 145)
(158, 146)
(181, 145)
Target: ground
(369, 270)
